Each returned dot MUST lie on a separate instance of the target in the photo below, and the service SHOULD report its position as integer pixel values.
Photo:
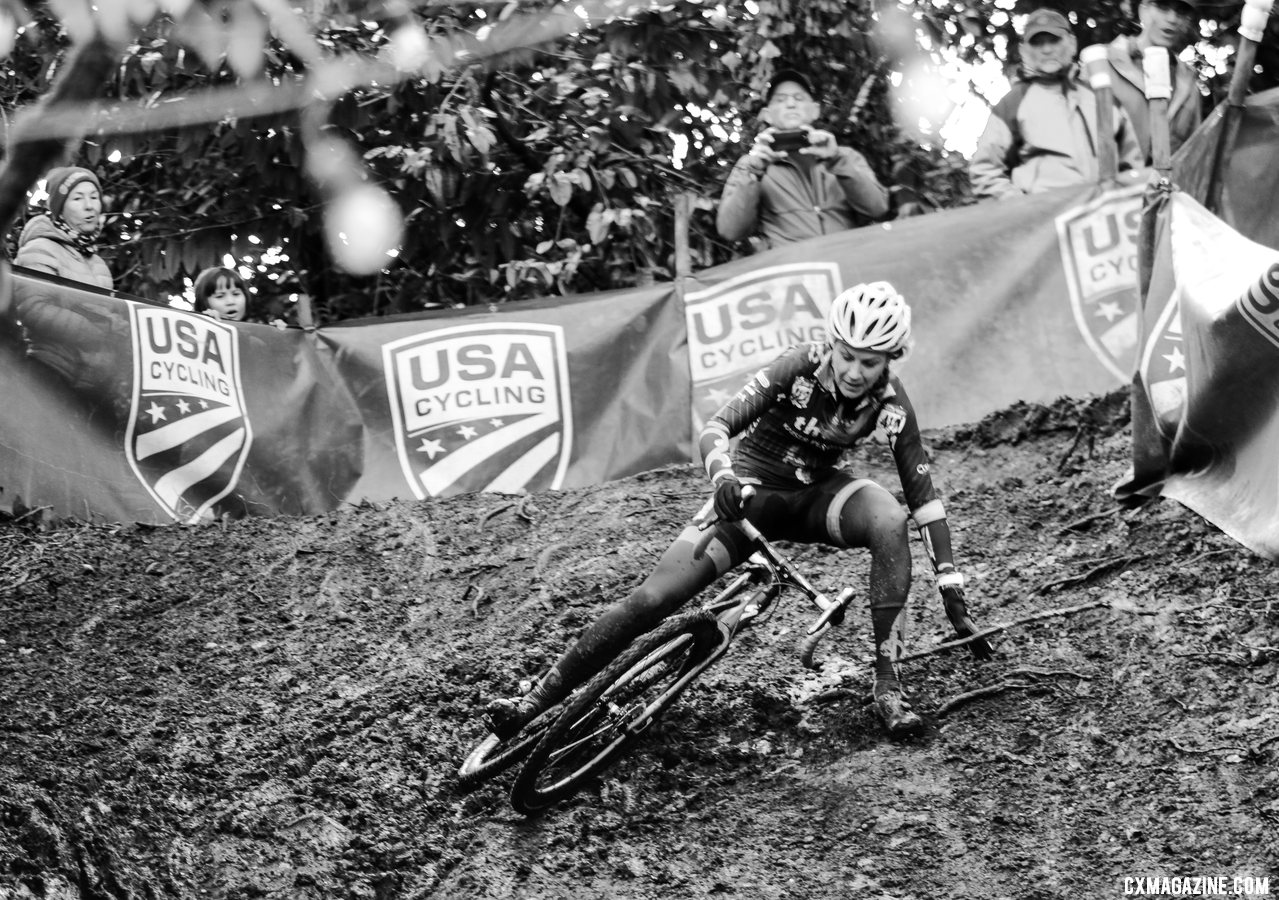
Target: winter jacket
(65, 336)
(783, 203)
(46, 248)
(1042, 135)
(1128, 84)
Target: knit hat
(62, 181)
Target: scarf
(87, 244)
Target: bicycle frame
(773, 572)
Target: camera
(789, 141)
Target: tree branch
(996, 629)
(32, 150)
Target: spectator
(69, 336)
(1169, 24)
(63, 241)
(221, 293)
(1041, 134)
(784, 195)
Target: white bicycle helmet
(871, 316)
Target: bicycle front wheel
(494, 755)
(618, 705)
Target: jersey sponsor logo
(809, 425)
(1098, 243)
(744, 323)
(801, 391)
(188, 435)
(481, 408)
(892, 419)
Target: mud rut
(276, 708)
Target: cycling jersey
(795, 426)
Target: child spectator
(221, 293)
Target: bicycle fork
(641, 723)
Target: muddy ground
(276, 708)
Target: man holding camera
(796, 182)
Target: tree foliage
(531, 149)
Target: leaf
(468, 115)
(448, 131)
(686, 82)
(561, 189)
(596, 224)
(433, 181)
(482, 138)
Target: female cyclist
(796, 417)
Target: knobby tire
(493, 755)
(605, 717)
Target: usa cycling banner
(543, 394)
(128, 411)
(1209, 378)
(122, 410)
(1027, 299)
(125, 410)
(1203, 419)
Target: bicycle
(595, 725)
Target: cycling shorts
(807, 514)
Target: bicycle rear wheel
(494, 755)
(618, 705)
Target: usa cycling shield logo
(1098, 244)
(1163, 367)
(481, 408)
(744, 323)
(188, 435)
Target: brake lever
(706, 518)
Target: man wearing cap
(1169, 24)
(1043, 133)
(796, 182)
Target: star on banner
(431, 448)
(1176, 360)
(718, 396)
(1110, 310)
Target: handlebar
(831, 616)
